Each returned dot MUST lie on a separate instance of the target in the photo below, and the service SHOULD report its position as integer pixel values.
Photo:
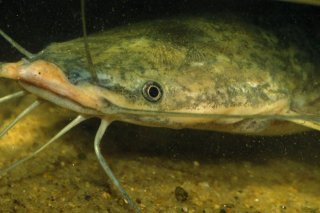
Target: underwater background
(163, 170)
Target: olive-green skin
(206, 65)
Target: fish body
(223, 73)
(199, 66)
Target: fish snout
(39, 72)
(10, 70)
(42, 72)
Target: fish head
(142, 75)
(135, 75)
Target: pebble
(184, 209)
(87, 197)
(204, 184)
(105, 195)
(226, 208)
(181, 194)
(196, 163)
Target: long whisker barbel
(17, 46)
(102, 128)
(72, 124)
(104, 123)
(12, 96)
(19, 117)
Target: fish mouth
(49, 82)
(57, 99)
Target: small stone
(181, 194)
(226, 208)
(216, 206)
(105, 195)
(138, 200)
(184, 209)
(87, 197)
(196, 163)
(16, 202)
(70, 204)
(204, 184)
(283, 207)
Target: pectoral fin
(307, 111)
(312, 124)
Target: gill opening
(86, 44)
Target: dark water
(220, 172)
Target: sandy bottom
(163, 170)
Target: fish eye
(152, 91)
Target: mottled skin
(204, 65)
